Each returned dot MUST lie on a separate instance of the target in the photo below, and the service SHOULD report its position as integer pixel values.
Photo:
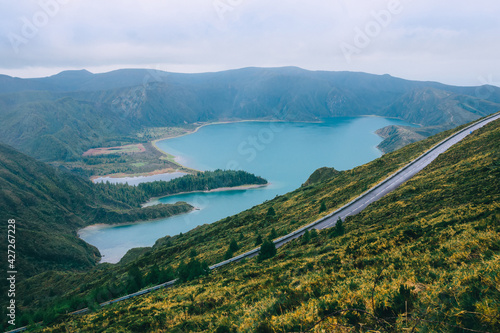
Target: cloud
(449, 41)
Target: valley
(77, 125)
(58, 118)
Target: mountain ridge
(96, 109)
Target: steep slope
(430, 106)
(396, 241)
(50, 205)
(59, 129)
(396, 137)
(93, 109)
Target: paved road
(405, 174)
(351, 208)
(390, 183)
(378, 191)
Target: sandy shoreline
(172, 170)
(154, 201)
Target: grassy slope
(438, 234)
(50, 205)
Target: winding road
(353, 207)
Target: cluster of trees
(192, 270)
(309, 235)
(267, 247)
(201, 181)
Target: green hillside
(49, 205)
(425, 256)
(60, 117)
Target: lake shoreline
(301, 148)
(136, 175)
(154, 142)
(191, 170)
(112, 225)
(155, 200)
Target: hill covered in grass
(425, 256)
(49, 205)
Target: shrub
(267, 250)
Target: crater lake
(284, 153)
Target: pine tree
(338, 229)
(273, 234)
(167, 274)
(233, 246)
(228, 255)
(258, 240)
(154, 275)
(306, 237)
(271, 212)
(135, 279)
(267, 250)
(192, 270)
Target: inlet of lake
(283, 153)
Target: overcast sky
(451, 41)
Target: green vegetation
(321, 174)
(155, 133)
(133, 254)
(267, 250)
(322, 207)
(396, 137)
(201, 181)
(122, 163)
(54, 119)
(338, 229)
(192, 270)
(425, 256)
(49, 205)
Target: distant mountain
(59, 117)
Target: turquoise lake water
(283, 153)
